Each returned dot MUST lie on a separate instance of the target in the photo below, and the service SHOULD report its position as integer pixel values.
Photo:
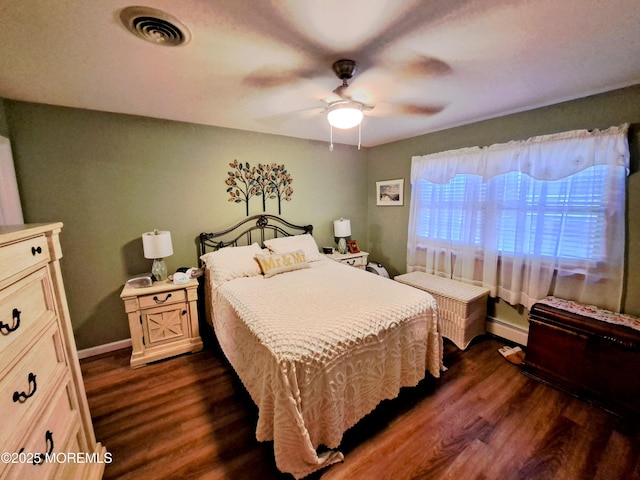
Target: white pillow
(232, 262)
(304, 242)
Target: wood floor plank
(189, 417)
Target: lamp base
(342, 245)
(159, 269)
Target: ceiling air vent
(155, 26)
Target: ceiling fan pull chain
(359, 134)
(331, 144)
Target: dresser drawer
(50, 435)
(19, 256)
(24, 308)
(162, 298)
(26, 389)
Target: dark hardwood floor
(189, 417)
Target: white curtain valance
(536, 156)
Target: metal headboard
(256, 228)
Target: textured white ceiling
(266, 66)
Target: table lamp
(342, 230)
(156, 246)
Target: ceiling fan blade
(412, 109)
(422, 66)
(283, 118)
(362, 96)
(333, 97)
(273, 77)
(385, 109)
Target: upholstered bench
(462, 307)
(586, 351)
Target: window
(525, 219)
(564, 218)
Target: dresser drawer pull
(352, 262)
(39, 458)
(157, 300)
(7, 329)
(36, 250)
(22, 396)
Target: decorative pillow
(275, 263)
(305, 242)
(232, 262)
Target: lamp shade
(342, 228)
(345, 115)
(157, 244)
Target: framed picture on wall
(390, 192)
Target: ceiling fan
(343, 111)
(345, 107)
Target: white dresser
(43, 404)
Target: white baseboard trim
(495, 326)
(509, 331)
(106, 348)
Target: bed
(316, 343)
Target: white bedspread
(317, 349)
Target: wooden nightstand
(358, 260)
(163, 320)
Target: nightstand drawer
(162, 298)
(19, 256)
(355, 261)
(27, 387)
(23, 307)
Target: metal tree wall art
(241, 184)
(266, 181)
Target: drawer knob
(36, 250)
(7, 329)
(157, 300)
(22, 396)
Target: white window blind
(564, 218)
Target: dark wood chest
(572, 348)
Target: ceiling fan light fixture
(345, 115)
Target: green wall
(111, 177)
(387, 226)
